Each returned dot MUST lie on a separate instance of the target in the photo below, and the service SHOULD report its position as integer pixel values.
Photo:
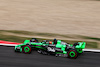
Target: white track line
(91, 50)
(8, 44)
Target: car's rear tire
(26, 49)
(72, 53)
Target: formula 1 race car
(55, 47)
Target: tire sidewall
(73, 51)
(23, 49)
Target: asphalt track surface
(9, 58)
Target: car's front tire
(26, 49)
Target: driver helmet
(54, 39)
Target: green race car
(55, 47)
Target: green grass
(21, 39)
(93, 38)
(34, 33)
(87, 37)
(12, 38)
(16, 38)
(91, 45)
(49, 34)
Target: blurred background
(68, 20)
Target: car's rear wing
(81, 45)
